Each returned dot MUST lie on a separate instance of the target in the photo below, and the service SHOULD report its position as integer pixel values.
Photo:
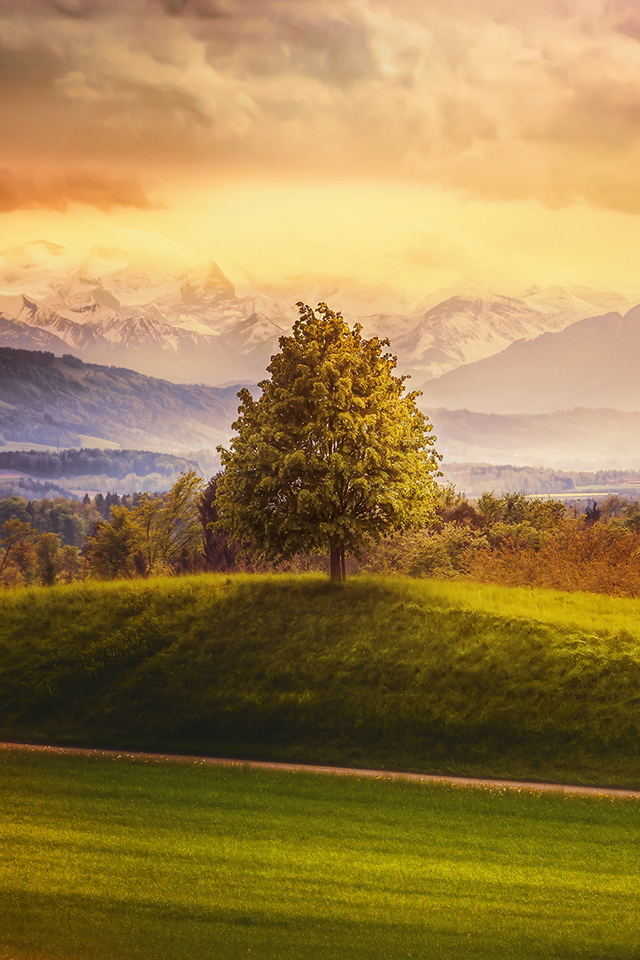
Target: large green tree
(333, 451)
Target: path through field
(490, 784)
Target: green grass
(447, 677)
(115, 859)
(588, 612)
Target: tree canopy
(332, 452)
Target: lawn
(118, 859)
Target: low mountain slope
(590, 439)
(47, 399)
(592, 363)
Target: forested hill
(49, 465)
(46, 399)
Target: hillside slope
(419, 674)
(592, 363)
(590, 439)
(63, 401)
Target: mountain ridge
(189, 323)
(66, 402)
(591, 363)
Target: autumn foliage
(517, 541)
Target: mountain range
(63, 402)
(189, 325)
(547, 377)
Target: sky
(407, 143)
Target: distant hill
(62, 401)
(30, 473)
(592, 363)
(473, 479)
(93, 462)
(582, 438)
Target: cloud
(21, 192)
(436, 246)
(500, 98)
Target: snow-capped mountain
(188, 324)
(463, 329)
(181, 325)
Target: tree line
(510, 539)
(108, 537)
(89, 461)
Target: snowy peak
(575, 301)
(187, 322)
(463, 329)
(213, 287)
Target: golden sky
(402, 142)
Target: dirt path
(487, 783)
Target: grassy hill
(408, 674)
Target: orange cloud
(22, 192)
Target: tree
(219, 550)
(114, 543)
(70, 564)
(332, 453)
(48, 558)
(17, 551)
(158, 534)
(171, 525)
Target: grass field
(446, 677)
(116, 859)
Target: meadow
(104, 858)
(405, 674)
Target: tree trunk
(336, 556)
(343, 569)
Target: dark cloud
(502, 98)
(21, 192)
(34, 65)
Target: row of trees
(145, 534)
(517, 541)
(510, 539)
